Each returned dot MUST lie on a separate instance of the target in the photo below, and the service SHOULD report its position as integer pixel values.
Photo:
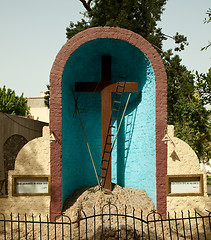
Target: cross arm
(99, 86)
(89, 86)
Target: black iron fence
(109, 223)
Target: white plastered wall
(33, 159)
(182, 160)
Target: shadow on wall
(130, 64)
(32, 159)
(15, 131)
(123, 145)
(174, 156)
(10, 150)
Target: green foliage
(187, 92)
(203, 87)
(47, 96)
(206, 47)
(180, 82)
(73, 29)
(186, 101)
(190, 124)
(207, 20)
(138, 16)
(181, 41)
(12, 104)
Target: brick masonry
(56, 103)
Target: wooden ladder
(106, 155)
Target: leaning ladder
(106, 155)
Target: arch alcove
(139, 159)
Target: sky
(33, 32)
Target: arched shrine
(93, 71)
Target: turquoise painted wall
(134, 157)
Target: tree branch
(168, 61)
(87, 4)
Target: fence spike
(169, 220)
(183, 224)
(18, 226)
(190, 225)
(26, 232)
(155, 224)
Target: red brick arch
(56, 103)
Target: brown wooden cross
(106, 87)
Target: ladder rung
(117, 101)
(111, 126)
(114, 118)
(116, 110)
(119, 85)
(119, 93)
(103, 168)
(107, 151)
(102, 176)
(110, 135)
(105, 160)
(109, 143)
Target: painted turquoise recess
(134, 154)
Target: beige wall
(182, 160)
(12, 125)
(38, 109)
(33, 159)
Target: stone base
(86, 198)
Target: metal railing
(108, 223)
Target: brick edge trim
(56, 104)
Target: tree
(186, 100)
(203, 87)
(187, 95)
(207, 20)
(12, 104)
(138, 16)
(47, 96)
